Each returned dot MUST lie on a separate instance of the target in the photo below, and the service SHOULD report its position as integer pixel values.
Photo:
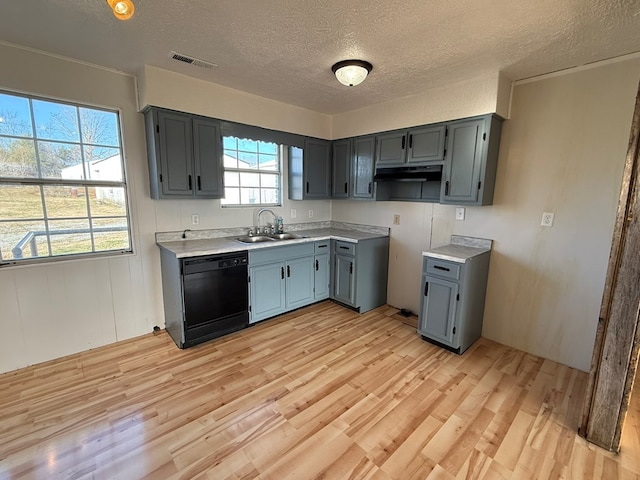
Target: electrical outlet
(396, 219)
(459, 213)
(547, 219)
(293, 213)
(195, 219)
(310, 213)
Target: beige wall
(562, 151)
(465, 99)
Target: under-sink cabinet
(280, 279)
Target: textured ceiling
(284, 49)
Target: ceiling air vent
(181, 57)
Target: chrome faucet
(260, 212)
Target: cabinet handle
(411, 141)
(344, 248)
(190, 187)
(307, 187)
(369, 188)
(282, 273)
(345, 188)
(404, 138)
(199, 183)
(446, 187)
(322, 246)
(438, 267)
(426, 288)
(317, 266)
(288, 271)
(351, 268)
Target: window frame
(86, 184)
(280, 149)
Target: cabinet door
(344, 279)
(437, 317)
(341, 165)
(426, 145)
(317, 168)
(362, 171)
(207, 158)
(390, 149)
(299, 275)
(176, 153)
(321, 276)
(267, 291)
(460, 182)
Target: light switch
(459, 213)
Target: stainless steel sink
(255, 239)
(270, 237)
(284, 236)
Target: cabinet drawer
(345, 248)
(443, 269)
(322, 246)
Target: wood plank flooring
(322, 392)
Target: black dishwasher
(216, 296)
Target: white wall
(562, 151)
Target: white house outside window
(62, 182)
(251, 172)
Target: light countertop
(211, 246)
(460, 249)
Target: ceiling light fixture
(122, 9)
(351, 72)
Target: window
(62, 183)
(251, 172)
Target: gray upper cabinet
(341, 168)
(184, 153)
(310, 170)
(471, 160)
(413, 147)
(362, 167)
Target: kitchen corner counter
(460, 249)
(216, 245)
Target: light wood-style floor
(322, 392)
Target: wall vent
(181, 57)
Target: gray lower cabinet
(185, 155)
(360, 273)
(321, 275)
(280, 279)
(452, 303)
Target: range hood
(409, 174)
